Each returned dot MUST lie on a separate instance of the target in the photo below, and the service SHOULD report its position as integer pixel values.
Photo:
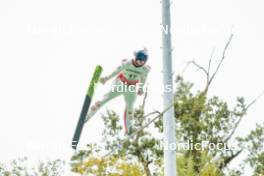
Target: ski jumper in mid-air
(130, 79)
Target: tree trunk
(146, 169)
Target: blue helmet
(141, 55)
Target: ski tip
(99, 68)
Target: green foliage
(186, 166)
(254, 145)
(110, 166)
(198, 118)
(137, 154)
(20, 167)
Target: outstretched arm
(114, 73)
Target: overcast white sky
(48, 50)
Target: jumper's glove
(140, 92)
(103, 80)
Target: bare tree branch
(222, 59)
(209, 64)
(185, 68)
(210, 78)
(227, 160)
(255, 100)
(145, 98)
(201, 68)
(240, 118)
(198, 66)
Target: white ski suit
(130, 80)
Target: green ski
(86, 105)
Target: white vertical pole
(168, 99)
